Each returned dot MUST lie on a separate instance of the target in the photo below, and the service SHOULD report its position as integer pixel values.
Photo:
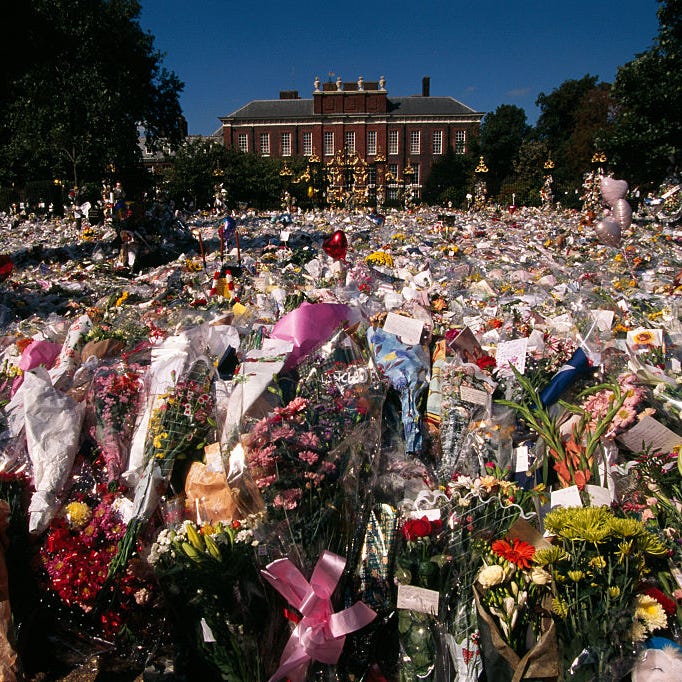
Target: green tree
(449, 179)
(86, 77)
(571, 117)
(530, 172)
(195, 171)
(644, 142)
(502, 133)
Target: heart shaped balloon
(608, 232)
(612, 189)
(622, 212)
(336, 245)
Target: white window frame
(243, 142)
(285, 140)
(371, 142)
(393, 142)
(415, 177)
(349, 141)
(437, 140)
(264, 145)
(460, 141)
(307, 144)
(415, 141)
(328, 143)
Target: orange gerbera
(515, 551)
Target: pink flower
(266, 481)
(309, 440)
(283, 432)
(308, 457)
(288, 499)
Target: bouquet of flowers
(179, 426)
(420, 576)
(573, 437)
(115, 396)
(512, 594)
(214, 592)
(297, 476)
(599, 563)
(478, 511)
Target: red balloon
(6, 267)
(336, 246)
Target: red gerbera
(515, 552)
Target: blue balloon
(228, 228)
(377, 219)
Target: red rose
(413, 529)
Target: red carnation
(668, 604)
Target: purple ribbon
(321, 633)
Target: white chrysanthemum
(489, 576)
(650, 613)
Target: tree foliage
(201, 165)
(449, 179)
(85, 78)
(572, 115)
(502, 133)
(644, 141)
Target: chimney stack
(426, 87)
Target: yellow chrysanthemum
(576, 576)
(78, 514)
(549, 555)
(560, 607)
(614, 591)
(598, 562)
(380, 258)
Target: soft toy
(660, 662)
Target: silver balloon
(622, 213)
(608, 232)
(612, 190)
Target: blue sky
(482, 52)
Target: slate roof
(265, 109)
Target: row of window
(415, 142)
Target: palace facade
(365, 142)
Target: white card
(603, 318)
(566, 497)
(521, 458)
(284, 236)
(418, 599)
(407, 329)
(651, 434)
(430, 514)
(474, 396)
(599, 496)
(512, 353)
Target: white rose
(539, 576)
(489, 576)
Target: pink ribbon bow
(321, 633)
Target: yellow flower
(598, 562)
(560, 607)
(78, 514)
(121, 299)
(157, 442)
(614, 591)
(380, 258)
(650, 612)
(624, 550)
(576, 576)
